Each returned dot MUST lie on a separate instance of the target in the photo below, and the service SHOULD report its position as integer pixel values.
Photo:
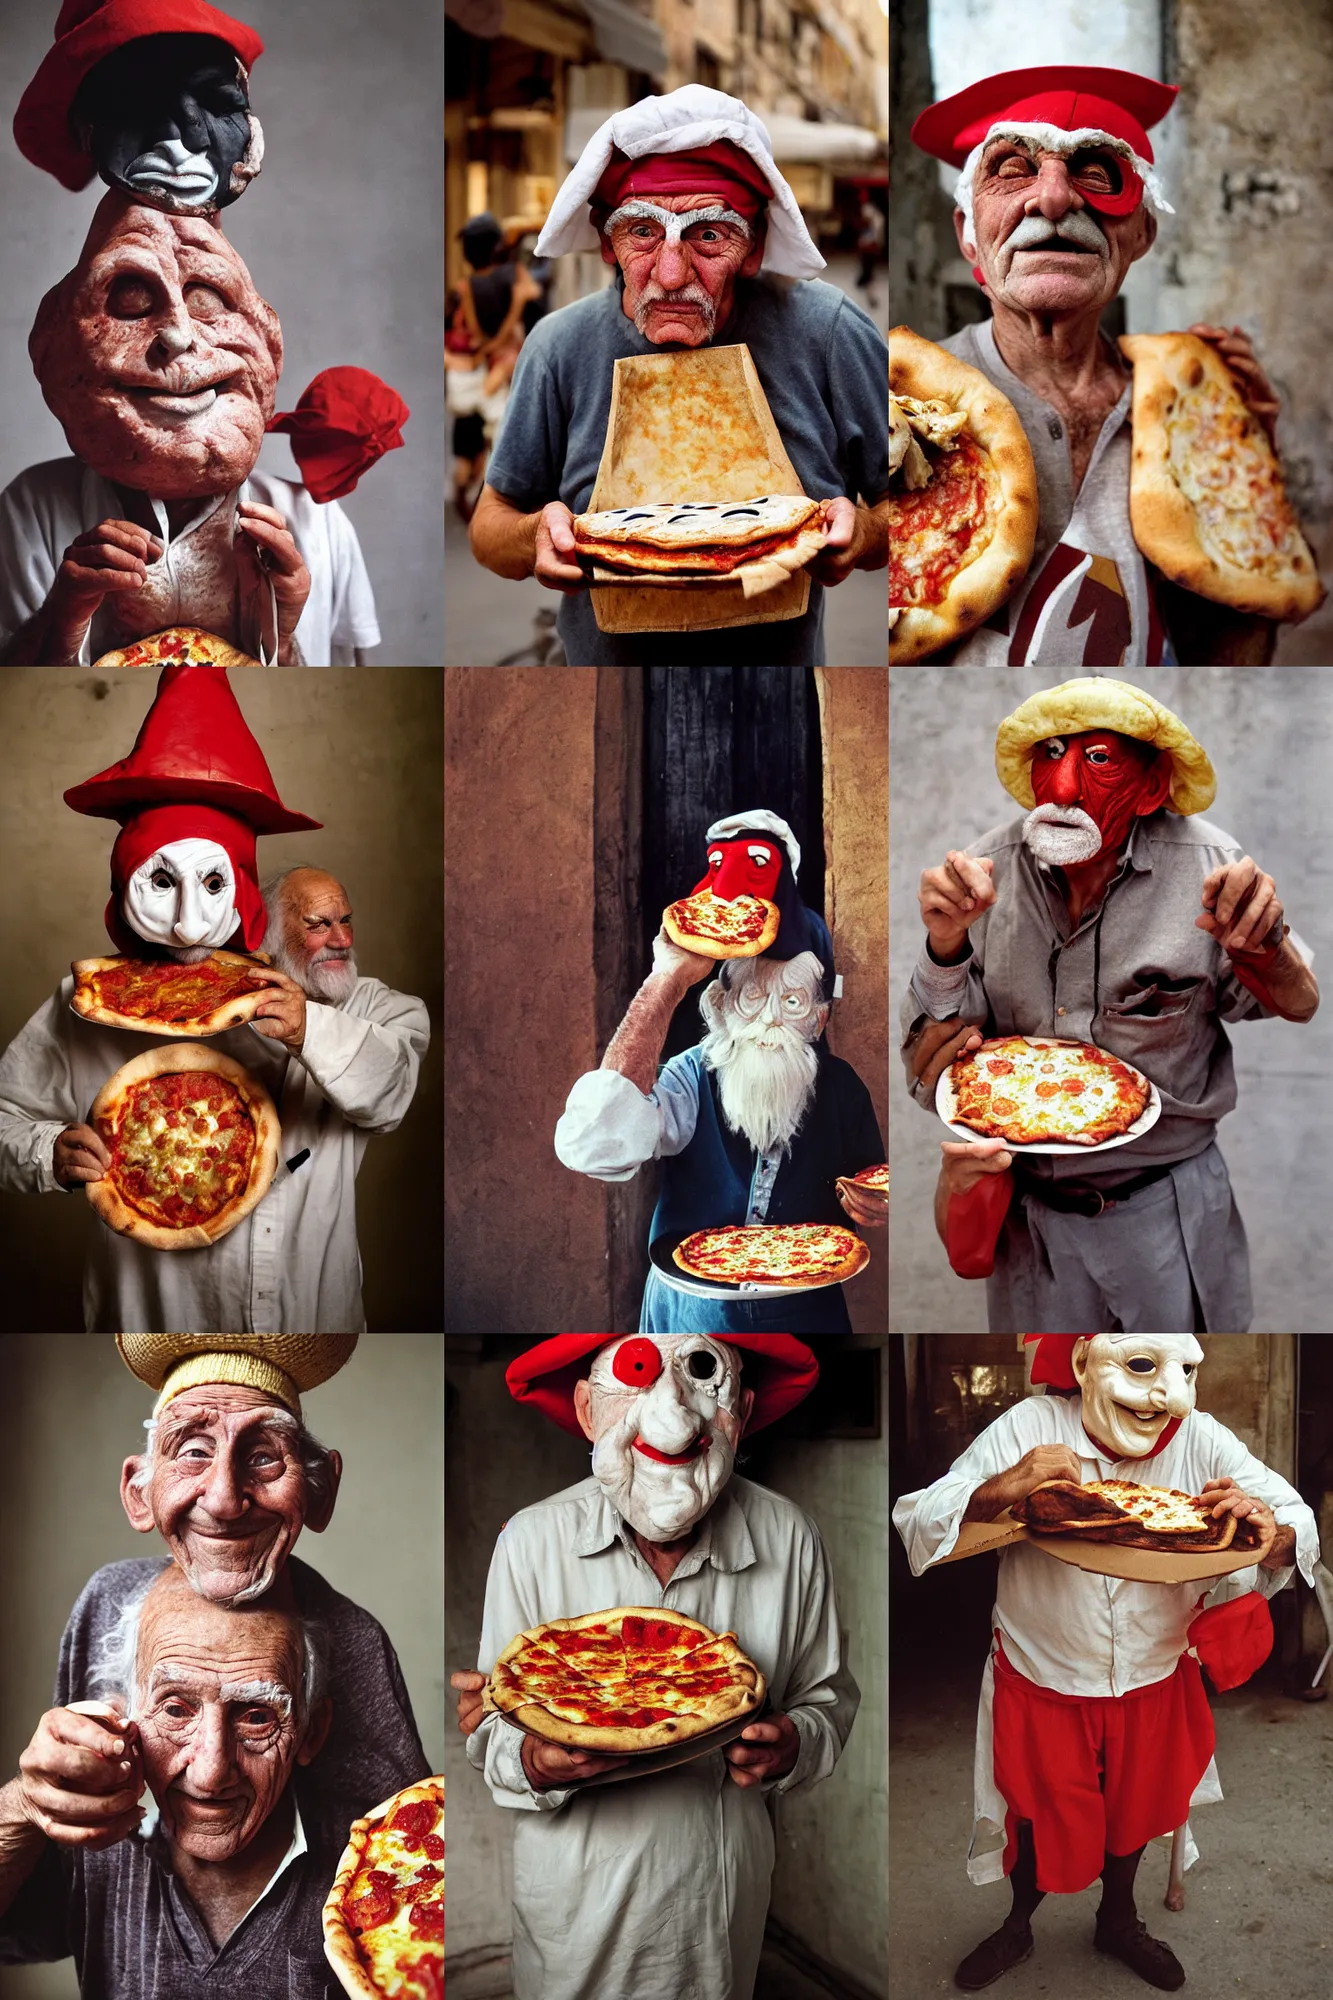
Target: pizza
(700, 538)
(962, 498)
(773, 1253)
(384, 1916)
(1206, 498)
(178, 646)
(721, 927)
(1134, 1516)
(874, 1178)
(623, 1681)
(193, 1140)
(163, 997)
(1033, 1090)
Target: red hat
(722, 167)
(141, 837)
(86, 31)
(346, 419)
(781, 1370)
(1070, 95)
(194, 748)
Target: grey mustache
(1034, 231)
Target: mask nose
(1065, 786)
(191, 925)
(664, 1420)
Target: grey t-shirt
(823, 364)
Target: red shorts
(1096, 1774)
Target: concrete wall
(1267, 732)
(359, 750)
(72, 1412)
(854, 723)
(342, 236)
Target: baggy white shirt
(1067, 1628)
(658, 1889)
(292, 1265)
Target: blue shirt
(823, 364)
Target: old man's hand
(1236, 350)
(281, 1017)
(764, 1752)
(80, 1782)
(953, 897)
(549, 1768)
(967, 1161)
(852, 541)
(266, 551)
(555, 563)
(78, 1156)
(109, 559)
(936, 1045)
(1240, 906)
(687, 968)
(470, 1709)
(867, 1210)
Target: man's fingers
(470, 1682)
(1239, 877)
(79, 1808)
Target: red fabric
(972, 1225)
(722, 168)
(1070, 95)
(740, 874)
(346, 420)
(1096, 1774)
(1233, 1640)
(1172, 1426)
(780, 1369)
(194, 746)
(1053, 1361)
(86, 31)
(141, 837)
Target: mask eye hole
(703, 1365)
(637, 1363)
(1141, 1365)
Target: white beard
(1062, 836)
(329, 979)
(765, 1092)
(662, 1501)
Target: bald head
(310, 932)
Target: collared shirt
(1135, 976)
(659, 1888)
(292, 1264)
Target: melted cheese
(386, 1943)
(1221, 461)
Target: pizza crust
(709, 947)
(923, 372)
(340, 1947)
(104, 1196)
(227, 1014)
(1181, 381)
(855, 1259)
(1126, 1513)
(217, 651)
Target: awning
(817, 143)
(624, 36)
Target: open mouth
(696, 1450)
(1144, 1417)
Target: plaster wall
(1267, 732)
(342, 236)
(357, 749)
(72, 1413)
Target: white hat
(677, 123)
(761, 820)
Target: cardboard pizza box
(693, 424)
(1104, 1558)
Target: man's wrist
(937, 952)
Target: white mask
(1133, 1385)
(665, 1450)
(184, 896)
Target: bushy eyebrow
(202, 1421)
(167, 1678)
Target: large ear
(134, 1499)
(318, 1517)
(583, 1408)
(747, 1407)
(316, 1731)
(1157, 783)
(1078, 1360)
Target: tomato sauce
(930, 532)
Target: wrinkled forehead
(706, 1362)
(205, 1413)
(176, 249)
(801, 974)
(1122, 1350)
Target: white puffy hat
(678, 123)
(758, 820)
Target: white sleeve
(27, 567)
(1232, 1460)
(37, 1099)
(821, 1695)
(608, 1128)
(929, 1520)
(368, 1067)
(353, 622)
(496, 1749)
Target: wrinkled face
(184, 897)
(1089, 790)
(680, 278)
(168, 117)
(228, 1493)
(747, 867)
(311, 939)
(1133, 1385)
(157, 354)
(218, 1696)
(666, 1414)
(1040, 240)
(762, 1025)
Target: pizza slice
(721, 926)
(963, 498)
(706, 539)
(1132, 1515)
(383, 1918)
(178, 646)
(164, 997)
(1206, 497)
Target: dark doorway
(719, 740)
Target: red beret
(781, 1370)
(345, 421)
(1070, 95)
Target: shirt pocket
(1153, 1013)
(309, 1982)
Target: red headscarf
(722, 168)
(780, 1369)
(345, 420)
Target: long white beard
(662, 1501)
(765, 1092)
(1062, 836)
(330, 979)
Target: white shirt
(658, 1889)
(608, 1129)
(49, 505)
(1067, 1628)
(292, 1265)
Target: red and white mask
(665, 1414)
(1134, 1385)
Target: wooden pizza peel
(690, 425)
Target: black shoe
(994, 1956)
(1148, 1956)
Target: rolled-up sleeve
(929, 1520)
(608, 1128)
(368, 1064)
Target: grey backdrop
(342, 233)
(1268, 732)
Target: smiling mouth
(696, 1450)
(1142, 1416)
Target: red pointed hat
(86, 31)
(1070, 95)
(194, 748)
(779, 1368)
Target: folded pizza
(1206, 498)
(700, 538)
(178, 646)
(963, 498)
(1133, 1516)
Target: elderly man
(685, 204)
(660, 1888)
(338, 1053)
(1056, 200)
(755, 1123)
(218, 1883)
(1112, 915)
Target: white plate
(1147, 1118)
(669, 1271)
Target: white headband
(1054, 139)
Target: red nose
(637, 1363)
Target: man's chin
(222, 1583)
(1064, 286)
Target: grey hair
(316, 1462)
(271, 891)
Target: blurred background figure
(488, 313)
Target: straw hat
(281, 1364)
